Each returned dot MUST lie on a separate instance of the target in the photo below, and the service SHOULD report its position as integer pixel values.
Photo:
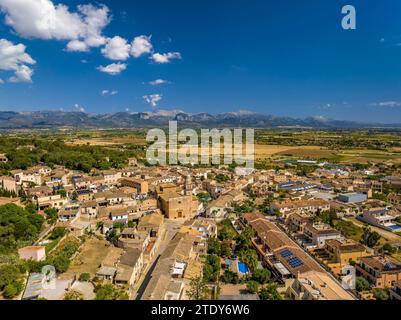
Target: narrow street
(172, 228)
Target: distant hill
(61, 119)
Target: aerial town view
(103, 194)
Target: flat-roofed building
(338, 254)
(89, 209)
(344, 251)
(34, 253)
(53, 201)
(176, 206)
(352, 197)
(315, 286)
(68, 215)
(319, 233)
(381, 217)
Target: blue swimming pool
(242, 267)
(395, 227)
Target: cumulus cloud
(14, 58)
(113, 69)
(165, 57)
(141, 45)
(153, 99)
(77, 45)
(389, 104)
(116, 48)
(158, 82)
(42, 19)
(96, 19)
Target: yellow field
(107, 141)
(266, 151)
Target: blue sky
(286, 58)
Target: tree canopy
(18, 226)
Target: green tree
(18, 226)
(211, 268)
(381, 294)
(57, 233)
(213, 246)
(73, 295)
(252, 286)
(51, 215)
(388, 248)
(225, 250)
(370, 238)
(230, 277)
(12, 289)
(270, 293)
(262, 276)
(197, 289)
(84, 277)
(362, 284)
(108, 292)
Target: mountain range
(245, 119)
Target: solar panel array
(292, 260)
(286, 253)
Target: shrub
(84, 277)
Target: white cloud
(113, 69)
(108, 92)
(1, 81)
(389, 104)
(42, 19)
(165, 57)
(77, 45)
(153, 99)
(141, 45)
(116, 48)
(14, 58)
(77, 107)
(158, 82)
(96, 19)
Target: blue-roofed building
(352, 197)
